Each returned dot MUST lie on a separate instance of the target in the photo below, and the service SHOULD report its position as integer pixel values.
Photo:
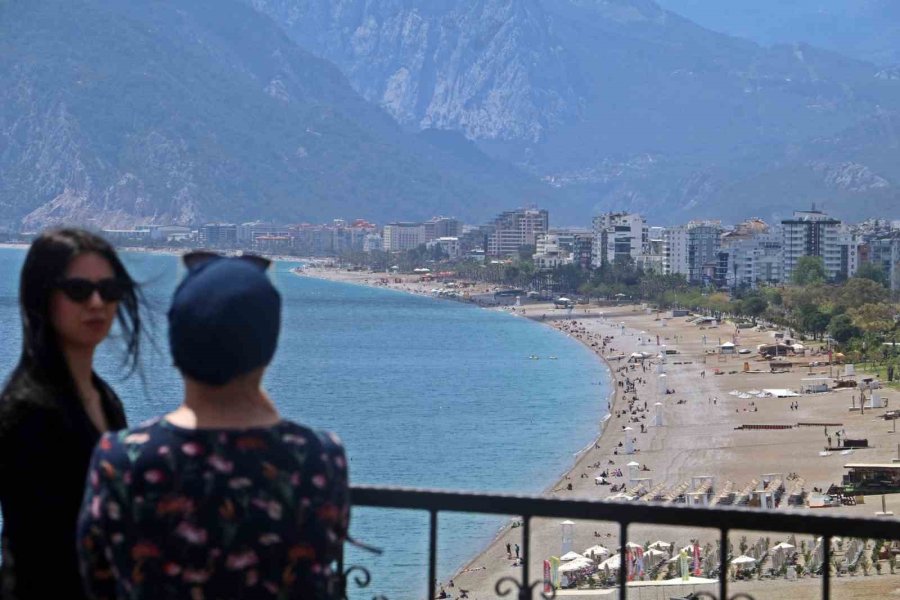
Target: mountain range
(115, 113)
(621, 102)
(151, 111)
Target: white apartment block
(755, 259)
(516, 228)
(397, 237)
(813, 233)
(553, 250)
(618, 236)
(692, 250)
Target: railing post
(826, 567)
(525, 590)
(623, 565)
(723, 564)
(432, 555)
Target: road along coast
(707, 430)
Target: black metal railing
(624, 514)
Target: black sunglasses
(197, 258)
(77, 289)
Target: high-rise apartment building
(397, 237)
(813, 233)
(217, 235)
(692, 250)
(752, 255)
(439, 227)
(516, 228)
(619, 236)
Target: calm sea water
(423, 392)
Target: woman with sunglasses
(54, 408)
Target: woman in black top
(54, 407)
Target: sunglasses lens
(111, 290)
(77, 290)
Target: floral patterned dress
(214, 513)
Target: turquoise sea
(424, 392)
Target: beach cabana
(727, 348)
(595, 551)
(782, 546)
(612, 563)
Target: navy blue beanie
(224, 321)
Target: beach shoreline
(703, 430)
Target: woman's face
(83, 324)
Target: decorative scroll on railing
(528, 507)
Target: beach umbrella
(783, 546)
(633, 546)
(575, 565)
(613, 562)
(596, 551)
(660, 544)
(743, 559)
(570, 556)
(634, 463)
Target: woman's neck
(238, 404)
(81, 366)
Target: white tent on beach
(660, 544)
(576, 565)
(597, 550)
(743, 560)
(569, 556)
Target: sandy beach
(699, 436)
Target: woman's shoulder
(24, 400)
(293, 432)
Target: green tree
(858, 291)
(809, 270)
(754, 305)
(873, 318)
(842, 329)
(872, 272)
(813, 320)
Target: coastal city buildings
(619, 236)
(812, 233)
(397, 237)
(516, 228)
(885, 253)
(692, 250)
(748, 254)
(752, 252)
(217, 235)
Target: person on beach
(54, 408)
(221, 498)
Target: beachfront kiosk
(864, 479)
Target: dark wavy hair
(50, 254)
